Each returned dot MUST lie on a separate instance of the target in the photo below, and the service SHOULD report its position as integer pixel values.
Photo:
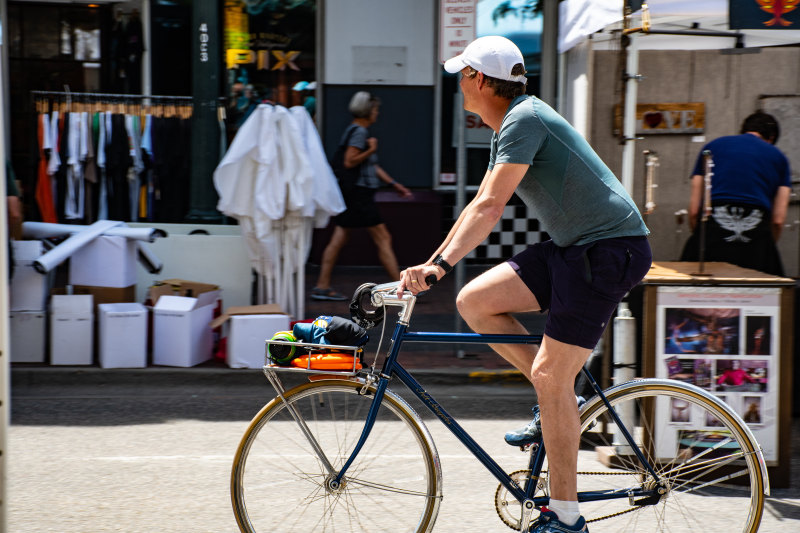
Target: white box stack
(182, 334)
(71, 329)
(29, 288)
(107, 261)
(248, 335)
(27, 336)
(122, 335)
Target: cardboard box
(27, 336)
(71, 329)
(107, 261)
(249, 328)
(182, 333)
(29, 288)
(122, 335)
(102, 295)
(178, 287)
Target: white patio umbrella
(273, 180)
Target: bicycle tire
(278, 483)
(700, 448)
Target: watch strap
(439, 261)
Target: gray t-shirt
(369, 178)
(568, 188)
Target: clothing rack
(138, 104)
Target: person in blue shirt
(598, 251)
(750, 189)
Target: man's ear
(481, 79)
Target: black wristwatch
(439, 261)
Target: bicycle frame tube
(393, 368)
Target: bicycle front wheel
(701, 453)
(279, 482)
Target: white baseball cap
(493, 55)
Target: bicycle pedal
(528, 447)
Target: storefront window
(269, 49)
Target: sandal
(327, 294)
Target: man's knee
(467, 304)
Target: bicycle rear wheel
(279, 483)
(702, 454)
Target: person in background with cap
(750, 188)
(598, 251)
(360, 152)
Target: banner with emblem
(764, 14)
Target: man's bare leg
(486, 304)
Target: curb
(67, 376)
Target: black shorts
(362, 211)
(582, 285)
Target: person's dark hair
(361, 104)
(764, 124)
(503, 88)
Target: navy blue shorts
(582, 285)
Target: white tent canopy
(579, 19)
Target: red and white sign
(456, 27)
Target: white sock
(567, 512)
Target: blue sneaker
(533, 431)
(527, 435)
(548, 522)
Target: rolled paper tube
(148, 259)
(63, 251)
(43, 230)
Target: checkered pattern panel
(513, 233)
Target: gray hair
(361, 104)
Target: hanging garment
(102, 195)
(118, 161)
(90, 178)
(147, 189)
(44, 187)
(61, 174)
(73, 177)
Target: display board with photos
(724, 340)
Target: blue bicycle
(322, 456)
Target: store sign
(263, 59)
(456, 27)
(670, 118)
(764, 15)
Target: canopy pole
(632, 78)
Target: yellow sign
(262, 58)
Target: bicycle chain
(544, 472)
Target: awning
(580, 18)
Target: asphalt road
(153, 454)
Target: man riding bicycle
(598, 251)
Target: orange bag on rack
(326, 361)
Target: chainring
(508, 508)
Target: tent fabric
(579, 19)
(275, 180)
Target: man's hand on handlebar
(418, 278)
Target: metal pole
(461, 196)
(4, 309)
(629, 125)
(549, 65)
